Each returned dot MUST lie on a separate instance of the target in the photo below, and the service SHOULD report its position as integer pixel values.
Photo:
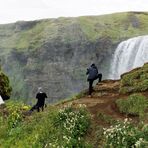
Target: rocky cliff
(54, 53)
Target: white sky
(15, 10)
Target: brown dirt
(103, 101)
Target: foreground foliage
(126, 135)
(53, 128)
(135, 104)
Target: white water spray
(129, 54)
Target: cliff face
(55, 53)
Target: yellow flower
(25, 107)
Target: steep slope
(103, 105)
(67, 124)
(55, 53)
(106, 93)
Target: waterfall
(129, 54)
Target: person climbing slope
(93, 74)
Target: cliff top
(31, 35)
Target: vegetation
(106, 118)
(54, 128)
(125, 134)
(5, 88)
(71, 127)
(72, 98)
(22, 42)
(32, 35)
(135, 104)
(115, 26)
(135, 81)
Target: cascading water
(129, 54)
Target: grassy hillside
(135, 81)
(107, 119)
(115, 26)
(32, 35)
(53, 128)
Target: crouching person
(40, 96)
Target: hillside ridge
(107, 92)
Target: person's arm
(46, 95)
(97, 70)
(87, 71)
(36, 96)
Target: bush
(135, 80)
(53, 128)
(135, 104)
(74, 124)
(5, 88)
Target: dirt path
(103, 100)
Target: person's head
(40, 89)
(92, 65)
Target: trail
(103, 100)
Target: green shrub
(53, 128)
(135, 104)
(74, 124)
(5, 87)
(15, 113)
(135, 81)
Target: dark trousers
(36, 107)
(99, 76)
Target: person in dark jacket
(40, 96)
(93, 74)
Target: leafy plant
(74, 124)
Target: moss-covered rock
(5, 88)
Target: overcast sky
(15, 10)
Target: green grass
(135, 81)
(52, 128)
(72, 98)
(106, 118)
(135, 104)
(116, 27)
